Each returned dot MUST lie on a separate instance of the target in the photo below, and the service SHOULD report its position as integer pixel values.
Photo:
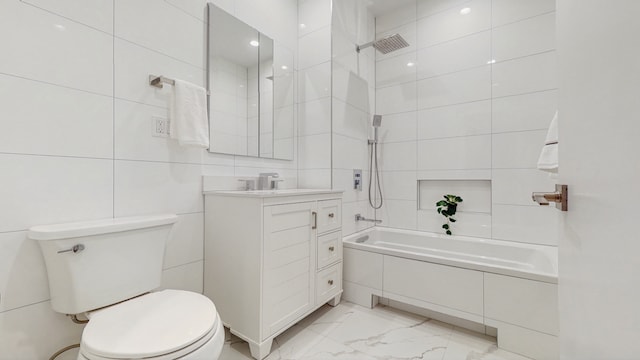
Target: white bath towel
(548, 160)
(188, 108)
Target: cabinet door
(288, 264)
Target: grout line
(185, 264)
(26, 305)
(167, 162)
(470, 102)
(54, 84)
(466, 69)
(521, 20)
(519, 205)
(56, 156)
(491, 28)
(66, 18)
(491, 183)
(113, 121)
(204, 21)
(159, 53)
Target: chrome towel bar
(159, 81)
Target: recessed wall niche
(474, 213)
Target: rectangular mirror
(250, 82)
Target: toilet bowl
(108, 270)
(163, 325)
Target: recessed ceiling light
(465, 11)
(410, 64)
(302, 26)
(254, 43)
(284, 67)
(492, 61)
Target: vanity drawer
(328, 283)
(329, 249)
(329, 215)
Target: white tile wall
(532, 111)
(62, 121)
(517, 150)
(455, 88)
(77, 141)
(314, 95)
(313, 15)
(452, 23)
(315, 48)
(23, 277)
(353, 101)
(315, 82)
(314, 117)
(466, 119)
(540, 32)
(455, 55)
(396, 99)
(478, 108)
(471, 152)
(525, 75)
(508, 11)
(430, 7)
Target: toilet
(106, 270)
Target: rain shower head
(377, 120)
(387, 44)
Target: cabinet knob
(331, 215)
(331, 248)
(330, 282)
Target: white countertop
(271, 193)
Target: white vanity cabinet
(271, 258)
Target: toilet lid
(150, 325)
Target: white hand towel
(188, 108)
(548, 160)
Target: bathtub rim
(550, 251)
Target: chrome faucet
(362, 218)
(266, 182)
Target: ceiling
(379, 7)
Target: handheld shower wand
(377, 121)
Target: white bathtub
(535, 262)
(510, 287)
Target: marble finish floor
(352, 332)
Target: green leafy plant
(448, 208)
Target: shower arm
(364, 46)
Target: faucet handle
(274, 183)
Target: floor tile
(352, 332)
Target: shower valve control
(357, 179)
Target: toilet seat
(162, 325)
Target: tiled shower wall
(352, 102)
(337, 99)
(466, 109)
(76, 141)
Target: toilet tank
(114, 260)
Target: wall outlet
(159, 126)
